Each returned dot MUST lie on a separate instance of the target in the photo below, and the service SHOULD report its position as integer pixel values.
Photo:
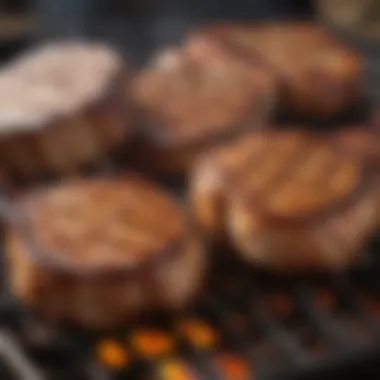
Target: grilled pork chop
(61, 105)
(189, 100)
(98, 252)
(319, 75)
(287, 200)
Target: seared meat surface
(99, 252)
(319, 75)
(61, 106)
(189, 99)
(287, 200)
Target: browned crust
(105, 295)
(312, 97)
(329, 232)
(333, 245)
(249, 117)
(235, 177)
(104, 300)
(67, 142)
(331, 208)
(29, 205)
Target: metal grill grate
(246, 325)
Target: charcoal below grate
(258, 329)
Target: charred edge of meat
(364, 182)
(66, 143)
(21, 222)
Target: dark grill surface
(246, 325)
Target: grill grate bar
(204, 364)
(353, 299)
(285, 340)
(96, 372)
(239, 343)
(20, 364)
(323, 321)
(276, 334)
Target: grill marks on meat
(277, 194)
(295, 173)
(312, 173)
(93, 223)
(100, 252)
(320, 76)
(200, 93)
